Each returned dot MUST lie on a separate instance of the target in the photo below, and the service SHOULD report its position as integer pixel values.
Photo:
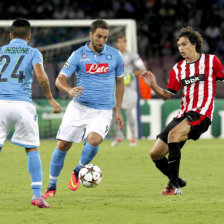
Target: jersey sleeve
(173, 84)
(138, 63)
(37, 57)
(120, 65)
(218, 69)
(70, 65)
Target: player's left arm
(119, 89)
(119, 96)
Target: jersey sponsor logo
(97, 68)
(84, 55)
(193, 79)
(85, 59)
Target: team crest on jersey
(84, 58)
(66, 65)
(193, 79)
(97, 68)
(108, 56)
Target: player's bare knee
(93, 141)
(154, 155)
(64, 145)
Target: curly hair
(193, 36)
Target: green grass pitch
(130, 192)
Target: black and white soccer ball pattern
(90, 175)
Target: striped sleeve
(218, 69)
(174, 83)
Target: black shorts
(199, 124)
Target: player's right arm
(149, 79)
(66, 72)
(45, 86)
(62, 84)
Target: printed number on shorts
(20, 76)
(107, 129)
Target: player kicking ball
(88, 116)
(196, 75)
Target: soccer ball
(90, 175)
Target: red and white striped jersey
(198, 83)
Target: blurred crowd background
(158, 22)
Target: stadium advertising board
(155, 114)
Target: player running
(17, 62)
(196, 75)
(88, 116)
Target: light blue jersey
(96, 73)
(16, 70)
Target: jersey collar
(188, 63)
(89, 49)
(17, 40)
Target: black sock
(174, 162)
(163, 166)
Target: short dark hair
(193, 36)
(120, 36)
(98, 24)
(20, 28)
